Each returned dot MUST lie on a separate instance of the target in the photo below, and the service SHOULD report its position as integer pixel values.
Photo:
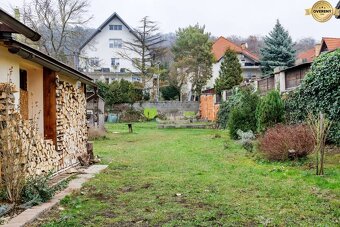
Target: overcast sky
(221, 17)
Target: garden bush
(131, 115)
(246, 139)
(319, 92)
(226, 107)
(37, 190)
(189, 114)
(269, 111)
(284, 142)
(242, 115)
(95, 133)
(150, 113)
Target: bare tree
(320, 127)
(179, 74)
(305, 44)
(58, 21)
(255, 43)
(147, 46)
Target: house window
(116, 27)
(23, 80)
(23, 94)
(107, 80)
(135, 79)
(114, 61)
(115, 43)
(94, 62)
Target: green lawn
(188, 177)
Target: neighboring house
(48, 94)
(327, 44)
(288, 79)
(100, 55)
(250, 64)
(308, 55)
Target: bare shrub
(96, 133)
(13, 158)
(132, 115)
(284, 142)
(320, 127)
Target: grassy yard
(188, 177)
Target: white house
(99, 56)
(250, 64)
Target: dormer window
(116, 27)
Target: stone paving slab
(30, 215)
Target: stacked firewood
(21, 146)
(34, 154)
(71, 123)
(6, 100)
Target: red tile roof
(308, 55)
(331, 43)
(222, 44)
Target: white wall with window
(115, 43)
(116, 27)
(249, 70)
(105, 47)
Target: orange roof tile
(331, 43)
(222, 44)
(308, 55)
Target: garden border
(30, 215)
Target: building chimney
(317, 49)
(17, 13)
(244, 46)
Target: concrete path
(30, 215)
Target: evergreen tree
(192, 52)
(230, 72)
(278, 50)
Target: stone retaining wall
(169, 107)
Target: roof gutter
(52, 64)
(18, 26)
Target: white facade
(101, 58)
(249, 70)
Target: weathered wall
(34, 82)
(7, 62)
(35, 96)
(169, 107)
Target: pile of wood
(37, 155)
(20, 138)
(71, 123)
(6, 100)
